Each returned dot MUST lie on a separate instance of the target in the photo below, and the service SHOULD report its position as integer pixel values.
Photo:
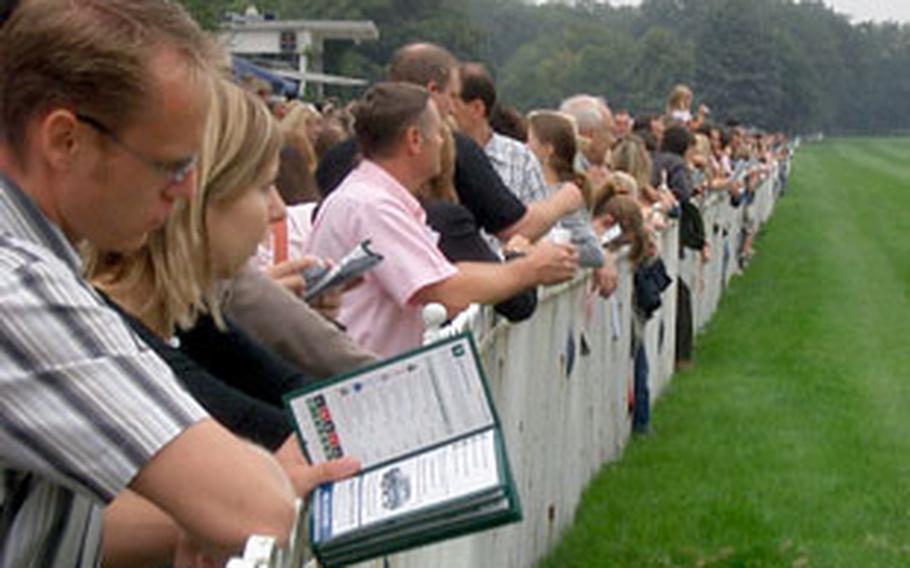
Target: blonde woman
(171, 283)
(631, 157)
(170, 287)
(300, 128)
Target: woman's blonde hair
(617, 184)
(680, 98)
(295, 127)
(241, 141)
(631, 156)
(625, 211)
(297, 175)
(703, 146)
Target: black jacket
(460, 240)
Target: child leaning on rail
(615, 206)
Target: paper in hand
(359, 260)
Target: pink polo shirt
(371, 204)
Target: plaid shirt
(84, 404)
(517, 167)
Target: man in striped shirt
(512, 160)
(102, 108)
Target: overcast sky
(860, 10)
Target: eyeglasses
(175, 172)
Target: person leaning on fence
(722, 164)
(552, 139)
(104, 106)
(460, 238)
(676, 145)
(630, 157)
(169, 286)
(515, 164)
(613, 206)
(170, 282)
(263, 297)
(399, 132)
(479, 187)
(521, 170)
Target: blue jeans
(641, 411)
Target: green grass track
(789, 442)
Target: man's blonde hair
(241, 141)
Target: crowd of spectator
(157, 214)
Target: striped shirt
(518, 168)
(84, 403)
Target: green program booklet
(434, 463)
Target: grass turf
(789, 443)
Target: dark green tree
(789, 64)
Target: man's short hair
(384, 113)
(421, 64)
(676, 140)
(88, 55)
(476, 83)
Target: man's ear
(58, 138)
(432, 87)
(413, 140)
(478, 109)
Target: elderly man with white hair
(595, 126)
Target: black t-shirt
(240, 361)
(481, 190)
(459, 240)
(479, 187)
(241, 394)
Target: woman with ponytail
(552, 138)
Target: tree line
(779, 64)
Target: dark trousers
(641, 411)
(684, 324)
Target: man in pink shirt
(399, 131)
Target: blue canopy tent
(280, 85)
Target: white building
(296, 46)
